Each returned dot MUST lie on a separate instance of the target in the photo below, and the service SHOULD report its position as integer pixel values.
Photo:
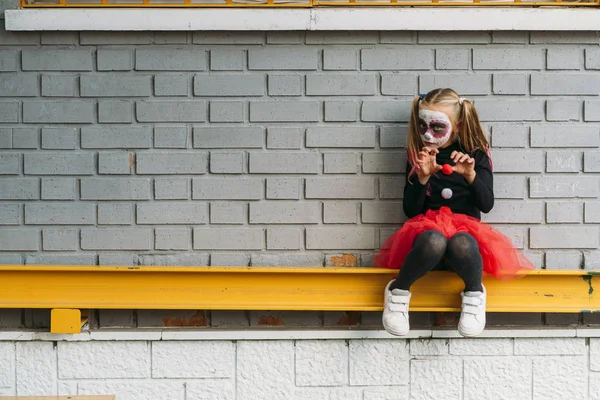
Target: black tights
(430, 247)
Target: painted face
(434, 127)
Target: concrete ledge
(313, 19)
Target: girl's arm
(482, 188)
(414, 195)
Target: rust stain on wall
(198, 319)
(130, 161)
(345, 260)
(349, 318)
(270, 320)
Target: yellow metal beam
(256, 288)
(65, 321)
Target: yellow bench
(68, 289)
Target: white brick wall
(366, 369)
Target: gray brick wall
(279, 148)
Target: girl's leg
(428, 249)
(464, 259)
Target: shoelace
(471, 305)
(398, 303)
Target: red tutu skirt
(500, 258)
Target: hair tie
(421, 96)
(461, 100)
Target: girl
(449, 183)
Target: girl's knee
(432, 242)
(463, 245)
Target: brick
(19, 189)
(463, 84)
(115, 214)
(125, 38)
(510, 135)
(227, 60)
(114, 60)
(283, 188)
(274, 374)
(340, 59)
(565, 84)
(227, 111)
(370, 359)
(382, 213)
(590, 161)
(171, 111)
(228, 137)
(393, 136)
(285, 111)
(226, 163)
(56, 60)
(396, 59)
(60, 214)
(170, 137)
(59, 239)
(231, 37)
(116, 318)
(285, 138)
(563, 110)
(591, 212)
(340, 163)
(285, 163)
(516, 234)
(25, 138)
(340, 238)
(59, 85)
(557, 377)
(210, 389)
(330, 136)
(592, 111)
(9, 112)
(385, 111)
(160, 213)
(229, 239)
(481, 347)
(285, 212)
(398, 84)
(60, 138)
(171, 85)
(116, 239)
(563, 260)
(11, 259)
(172, 163)
(283, 58)
(58, 164)
(560, 238)
(59, 259)
(510, 110)
(563, 59)
(9, 164)
(19, 239)
(340, 187)
(341, 85)
(229, 85)
(519, 59)
(6, 138)
(36, 368)
(384, 163)
(113, 112)
(56, 112)
(286, 37)
(227, 189)
(511, 83)
(159, 389)
(592, 59)
(285, 85)
(116, 86)
(284, 238)
(10, 214)
(187, 359)
(391, 188)
(464, 37)
(9, 60)
(115, 189)
(549, 37)
(488, 377)
(229, 260)
(172, 239)
(452, 59)
(563, 212)
(170, 59)
(340, 212)
(432, 379)
(386, 393)
(321, 363)
(564, 161)
(567, 187)
(342, 37)
(341, 111)
(227, 213)
(181, 259)
(19, 85)
(595, 355)
(172, 189)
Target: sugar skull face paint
(434, 127)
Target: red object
(447, 169)
(500, 258)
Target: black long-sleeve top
(470, 199)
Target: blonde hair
(470, 132)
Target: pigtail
(413, 140)
(471, 132)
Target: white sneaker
(472, 316)
(395, 311)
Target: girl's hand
(427, 164)
(464, 165)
